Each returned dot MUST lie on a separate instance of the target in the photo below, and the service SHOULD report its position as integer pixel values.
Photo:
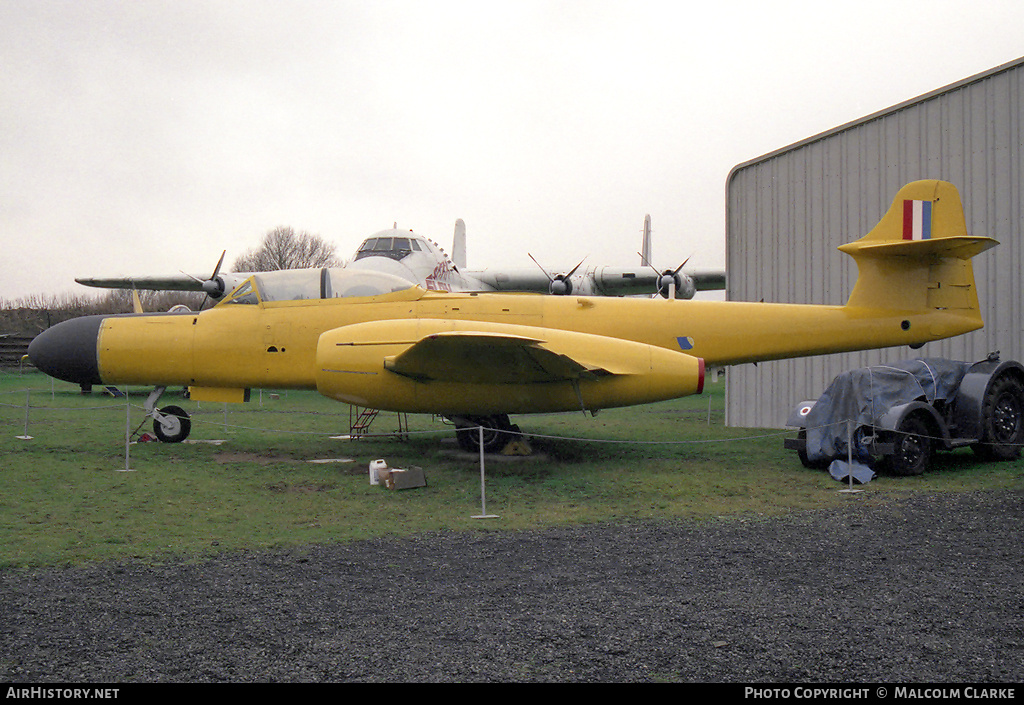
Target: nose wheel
(172, 424)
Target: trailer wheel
(1002, 420)
(802, 453)
(912, 447)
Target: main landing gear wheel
(498, 432)
(172, 425)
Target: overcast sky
(145, 137)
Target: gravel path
(923, 589)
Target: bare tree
(283, 248)
(31, 314)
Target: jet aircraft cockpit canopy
(306, 284)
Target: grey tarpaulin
(842, 470)
(865, 394)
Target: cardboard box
(404, 478)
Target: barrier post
(483, 494)
(849, 455)
(127, 430)
(26, 437)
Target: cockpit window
(244, 294)
(305, 284)
(289, 284)
(396, 248)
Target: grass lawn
(278, 479)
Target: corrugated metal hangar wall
(787, 212)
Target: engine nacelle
(480, 368)
(687, 288)
(683, 285)
(560, 286)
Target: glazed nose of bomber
(68, 350)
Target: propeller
(214, 286)
(560, 284)
(669, 281)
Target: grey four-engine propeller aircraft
(420, 261)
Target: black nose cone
(68, 350)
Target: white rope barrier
(26, 406)
(129, 434)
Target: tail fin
(918, 257)
(645, 244)
(459, 244)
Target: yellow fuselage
(275, 345)
(472, 354)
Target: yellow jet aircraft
(475, 358)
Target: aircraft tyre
(498, 432)
(174, 426)
(912, 447)
(1002, 420)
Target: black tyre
(497, 433)
(912, 447)
(1002, 420)
(802, 454)
(175, 425)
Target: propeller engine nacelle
(218, 284)
(214, 288)
(672, 283)
(675, 284)
(560, 284)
